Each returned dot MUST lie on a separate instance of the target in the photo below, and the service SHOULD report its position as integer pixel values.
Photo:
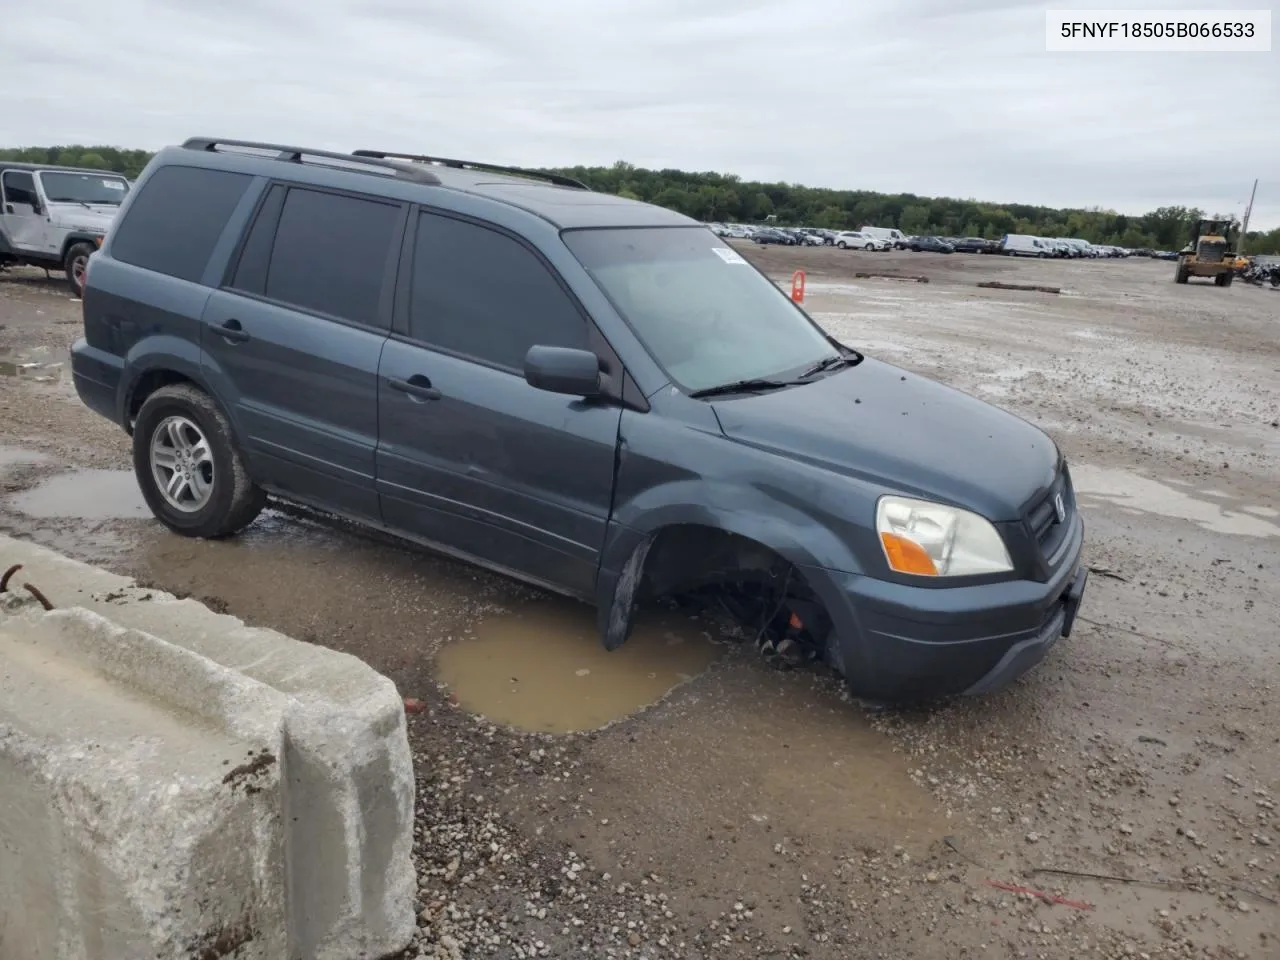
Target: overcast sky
(937, 97)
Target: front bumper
(895, 642)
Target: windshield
(83, 188)
(707, 316)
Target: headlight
(932, 540)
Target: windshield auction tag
(728, 255)
(113, 184)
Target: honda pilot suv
(588, 393)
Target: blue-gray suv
(585, 392)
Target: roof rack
(289, 154)
(555, 178)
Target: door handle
(231, 330)
(417, 387)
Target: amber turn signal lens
(907, 557)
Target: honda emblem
(1059, 508)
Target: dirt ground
(755, 812)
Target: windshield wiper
(69, 200)
(744, 386)
(827, 363)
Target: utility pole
(1244, 227)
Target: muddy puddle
(543, 668)
(84, 495)
(1210, 509)
(18, 457)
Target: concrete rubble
(174, 783)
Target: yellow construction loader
(1209, 254)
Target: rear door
(470, 457)
(293, 338)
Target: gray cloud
(936, 97)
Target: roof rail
(557, 179)
(409, 171)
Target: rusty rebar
(4, 580)
(44, 601)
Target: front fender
(734, 508)
(720, 505)
(78, 236)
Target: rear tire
(1180, 276)
(188, 468)
(75, 264)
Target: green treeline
(725, 197)
(128, 162)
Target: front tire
(188, 468)
(75, 264)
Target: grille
(1042, 517)
(1211, 251)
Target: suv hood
(892, 428)
(75, 216)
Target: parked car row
(889, 238)
(768, 233)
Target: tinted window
(255, 257)
(330, 254)
(19, 188)
(484, 295)
(176, 218)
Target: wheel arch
(73, 238)
(153, 372)
(690, 546)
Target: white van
(1024, 245)
(895, 237)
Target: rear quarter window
(176, 219)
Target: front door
(293, 342)
(470, 457)
(24, 227)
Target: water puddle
(84, 495)
(544, 668)
(18, 457)
(1138, 494)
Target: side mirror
(563, 370)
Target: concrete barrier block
(175, 783)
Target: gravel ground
(755, 812)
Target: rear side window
(330, 253)
(482, 294)
(176, 218)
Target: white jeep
(55, 217)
